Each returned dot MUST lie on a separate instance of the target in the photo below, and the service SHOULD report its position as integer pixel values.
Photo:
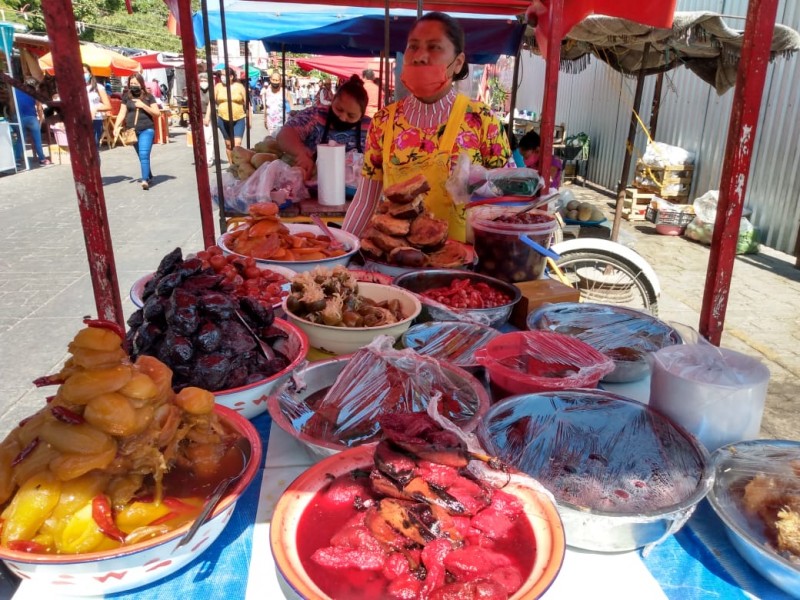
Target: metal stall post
(626, 164)
(60, 23)
(513, 104)
(247, 105)
(7, 37)
(553, 61)
(750, 77)
(196, 120)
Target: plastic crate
(669, 222)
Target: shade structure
(340, 66)
(251, 20)
(159, 60)
(102, 62)
(486, 39)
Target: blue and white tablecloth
(697, 563)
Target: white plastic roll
(330, 174)
(715, 393)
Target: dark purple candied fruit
(168, 283)
(190, 267)
(136, 319)
(257, 314)
(201, 282)
(147, 337)
(235, 338)
(208, 337)
(217, 305)
(153, 309)
(169, 263)
(524, 219)
(210, 372)
(176, 349)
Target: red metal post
(196, 121)
(60, 23)
(552, 62)
(736, 166)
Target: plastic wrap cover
(379, 379)
(598, 451)
(758, 479)
(451, 341)
(544, 359)
(618, 332)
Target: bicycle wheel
(606, 278)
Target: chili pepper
(26, 546)
(177, 505)
(49, 399)
(25, 420)
(23, 454)
(104, 324)
(65, 415)
(48, 380)
(101, 513)
(163, 519)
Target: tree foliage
(107, 22)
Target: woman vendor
(342, 122)
(425, 132)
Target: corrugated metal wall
(598, 101)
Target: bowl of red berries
(269, 285)
(452, 294)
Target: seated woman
(529, 149)
(343, 122)
(424, 133)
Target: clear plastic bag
(493, 183)
(705, 207)
(379, 379)
(659, 154)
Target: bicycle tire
(607, 278)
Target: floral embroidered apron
(434, 165)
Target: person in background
(425, 132)
(139, 110)
(208, 131)
(99, 104)
(373, 91)
(343, 122)
(325, 95)
(231, 118)
(274, 106)
(528, 148)
(155, 89)
(31, 117)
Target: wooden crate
(673, 182)
(635, 204)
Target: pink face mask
(425, 81)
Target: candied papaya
(30, 507)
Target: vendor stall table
(696, 563)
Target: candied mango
(30, 507)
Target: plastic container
(501, 252)
(715, 393)
(525, 362)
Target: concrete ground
(45, 288)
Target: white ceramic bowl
(109, 571)
(251, 400)
(345, 340)
(540, 510)
(137, 289)
(351, 244)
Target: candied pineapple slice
(30, 507)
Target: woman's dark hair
(92, 82)
(454, 32)
(530, 141)
(146, 96)
(354, 87)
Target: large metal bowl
(612, 330)
(734, 465)
(623, 475)
(289, 411)
(424, 280)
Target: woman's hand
(304, 161)
(140, 104)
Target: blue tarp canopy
(486, 39)
(353, 31)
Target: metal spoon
(335, 244)
(262, 345)
(243, 445)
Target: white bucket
(715, 393)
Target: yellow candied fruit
(85, 385)
(140, 387)
(30, 507)
(195, 400)
(80, 533)
(97, 338)
(112, 413)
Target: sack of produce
(659, 154)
